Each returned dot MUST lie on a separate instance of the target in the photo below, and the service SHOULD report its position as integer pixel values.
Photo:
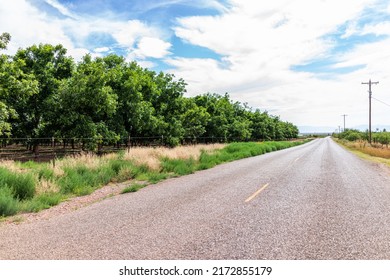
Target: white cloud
(152, 47)
(28, 25)
(127, 34)
(61, 8)
(147, 6)
(146, 63)
(382, 28)
(261, 41)
(101, 50)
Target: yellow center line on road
(256, 193)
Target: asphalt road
(315, 201)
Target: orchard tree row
(381, 137)
(45, 93)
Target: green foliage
(378, 137)
(8, 204)
(381, 137)
(5, 126)
(22, 185)
(4, 40)
(350, 135)
(43, 67)
(235, 121)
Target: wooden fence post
(53, 144)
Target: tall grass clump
(41, 202)
(178, 166)
(8, 204)
(22, 185)
(81, 180)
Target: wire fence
(46, 149)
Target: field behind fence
(47, 149)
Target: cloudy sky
(302, 60)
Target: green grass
(127, 170)
(8, 204)
(22, 185)
(80, 180)
(133, 188)
(17, 189)
(41, 202)
(234, 151)
(178, 166)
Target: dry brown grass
(46, 186)
(372, 150)
(88, 159)
(151, 156)
(11, 166)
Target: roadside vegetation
(356, 140)
(31, 186)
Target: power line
(369, 107)
(381, 101)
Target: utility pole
(344, 120)
(369, 107)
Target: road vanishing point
(314, 201)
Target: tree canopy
(45, 93)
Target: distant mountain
(330, 129)
(374, 127)
(316, 129)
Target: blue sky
(301, 60)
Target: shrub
(207, 160)
(8, 204)
(353, 136)
(81, 180)
(43, 201)
(22, 185)
(117, 165)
